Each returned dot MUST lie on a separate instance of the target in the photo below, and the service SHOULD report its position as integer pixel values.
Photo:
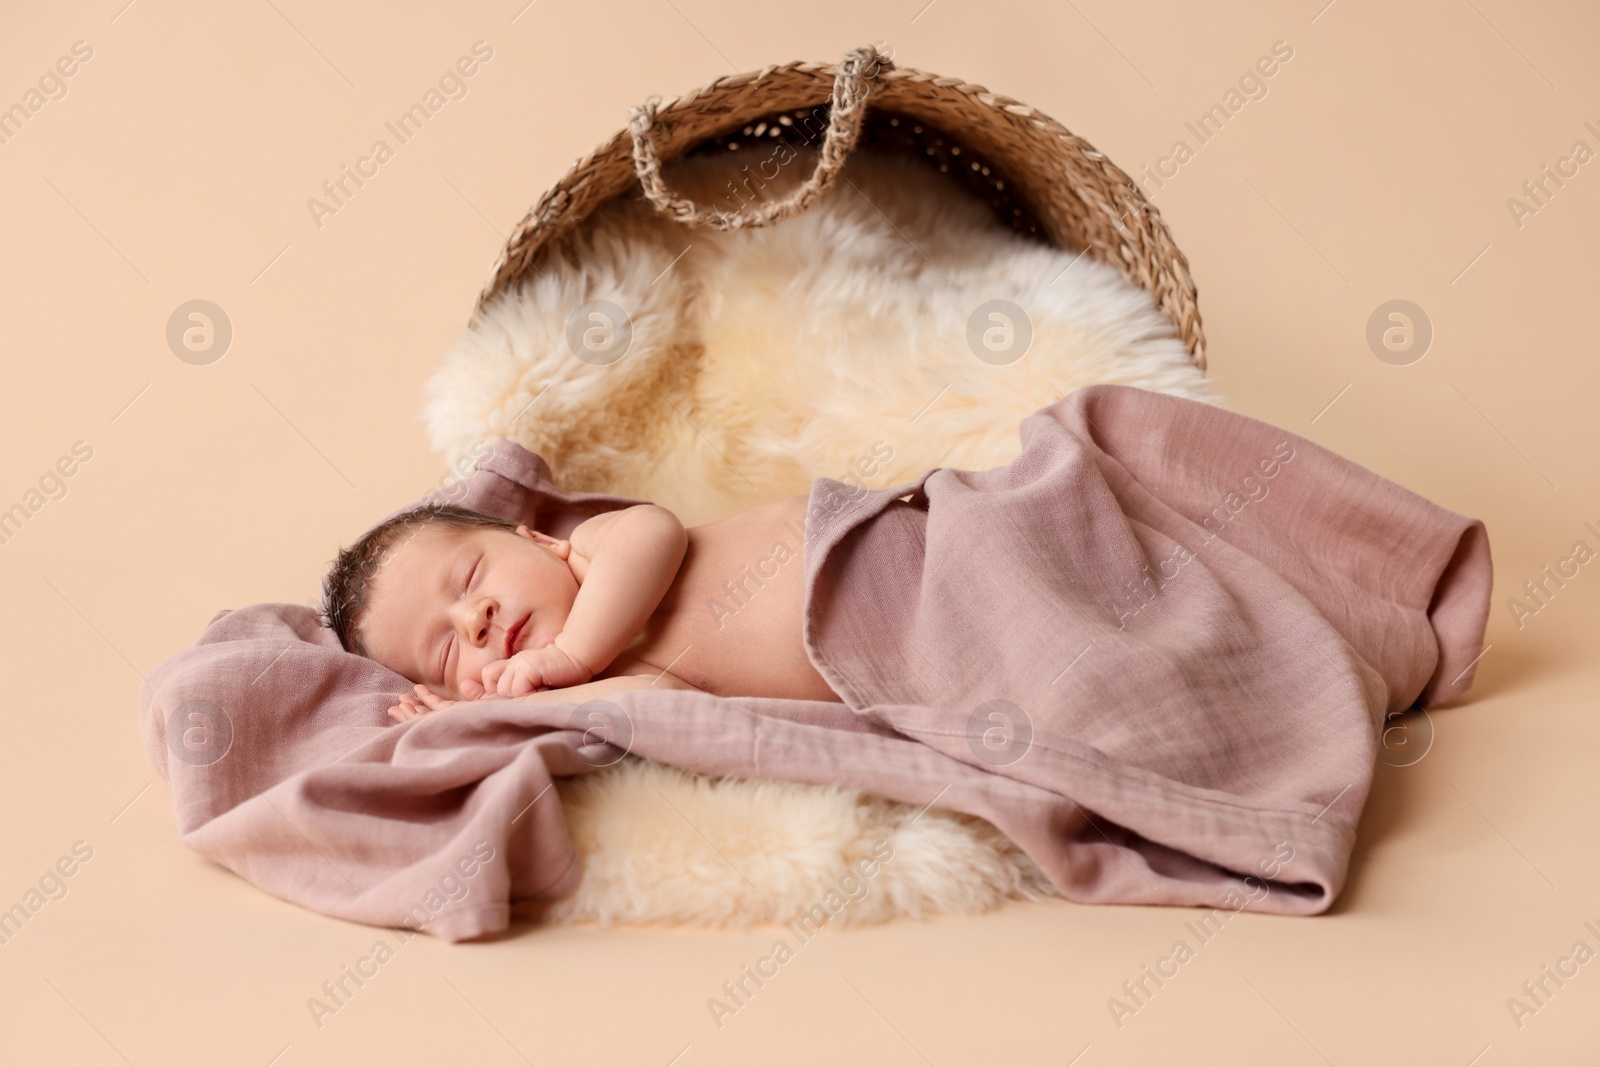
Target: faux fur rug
(661, 845)
(856, 342)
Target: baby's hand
(424, 700)
(531, 670)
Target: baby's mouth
(512, 635)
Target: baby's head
(439, 592)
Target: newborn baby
(469, 606)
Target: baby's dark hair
(346, 589)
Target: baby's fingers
(428, 697)
(519, 680)
(492, 673)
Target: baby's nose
(476, 620)
(486, 625)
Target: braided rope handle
(853, 84)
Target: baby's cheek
(472, 671)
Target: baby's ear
(538, 537)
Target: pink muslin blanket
(1156, 650)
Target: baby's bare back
(731, 622)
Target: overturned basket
(1036, 174)
(604, 431)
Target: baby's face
(448, 602)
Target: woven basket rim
(1144, 252)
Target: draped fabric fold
(1157, 650)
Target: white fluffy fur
(762, 359)
(765, 358)
(733, 851)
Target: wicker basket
(1037, 175)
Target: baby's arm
(632, 556)
(425, 700)
(620, 683)
(625, 561)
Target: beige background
(177, 167)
